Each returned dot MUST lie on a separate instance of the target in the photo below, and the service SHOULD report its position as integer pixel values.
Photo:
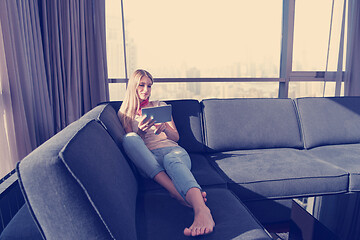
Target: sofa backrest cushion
(102, 171)
(236, 124)
(58, 204)
(79, 185)
(93, 113)
(327, 121)
(111, 122)
(187, 118)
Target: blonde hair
(131, 104)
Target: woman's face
(144, 89)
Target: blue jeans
(175, 161)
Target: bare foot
(203, 223)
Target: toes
(195, 232)
(208, 230)
(203, 194)
(187, 232)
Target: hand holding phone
(146, 123)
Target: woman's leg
(177, 164)
(203, 221)
(144, 160)
(163, 179)
(140, 155)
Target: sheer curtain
(341, 213)
(53, 70)
(26, 105)
(7, 132)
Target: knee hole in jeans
(132, 136)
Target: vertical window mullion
(124, 40)
(286, 46)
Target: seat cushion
(21, 227)
(278, 173)
(326, 121)
(344, 156)
(204, 173)
(160, 217)
(237, 124)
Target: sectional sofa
(245, 153)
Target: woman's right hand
(145, 123)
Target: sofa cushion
(106, 114)
(204, 173)
(327, 121)
(99, 167)
(94, 113)
(111, 122)
(236, 124)
(161, 217)
(345, 156)
(21, 227)
(58, 203)
(187, 118)
(278, 173)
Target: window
(233, 47)
(202, 90)
(312, 89)
(317, 31)
(179, 39)
(311, 35)
(114, 39)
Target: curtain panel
(75, 56)
(53, 70)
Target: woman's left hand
(160, 127)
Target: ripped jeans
(175, 161)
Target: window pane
(117, 91)
(202, 90)
(204, 38)
(312, 89)
(114, 39)
(311, 35)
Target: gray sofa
(80, 185)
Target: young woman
(157, 155)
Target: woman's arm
(144, 124)
(169, 129)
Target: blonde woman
(157, 155)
